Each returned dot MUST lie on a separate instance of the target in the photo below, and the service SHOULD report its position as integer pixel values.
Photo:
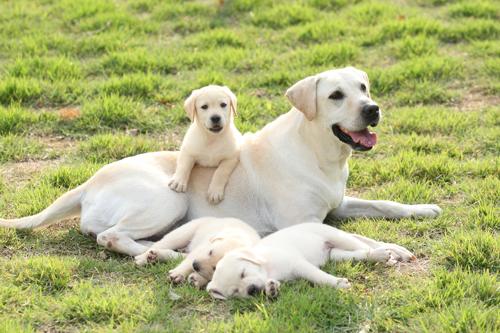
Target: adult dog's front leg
(353, 207)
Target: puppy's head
(208, 255)
(340, 101)
(212, 107)
(239, 273)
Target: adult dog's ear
(232, 99)
(190, 104)
(249, 256)
(302, 95)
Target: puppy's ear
(249, 256)
(215, 238)
(190, 104)
(302, 95)
(232, 99)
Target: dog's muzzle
(371, 114)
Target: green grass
(126, 67)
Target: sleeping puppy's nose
(371, 113)
(196, 266)
(215, 119)
(253, 290)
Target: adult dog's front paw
(197, 280)
(175, 277)
(178, 185)
(425, 210)
(272, 288)
(215, 195)
(342, 283)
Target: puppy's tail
(67, 205)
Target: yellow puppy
(212, 140)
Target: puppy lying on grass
(206, 240)
(212, 140)
(292, 253)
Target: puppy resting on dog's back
(296, 252)
(206, 240)
(212, 140)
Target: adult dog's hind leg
(353, 207)
(116, 240)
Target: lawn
(83, 83)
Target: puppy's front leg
(219, 180)
(180, 179)
(179, 273)
(306, 270)
(197, 280)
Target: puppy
(296, 252)
(206, 240)
(212, 140)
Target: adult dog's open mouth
(358, 140)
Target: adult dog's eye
(223, 105)
(210, 253)
(336, 95)
(204, 107)
(363, 87)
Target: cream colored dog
(293, 170)
(292, 253)
(206, 240)
(211, 141)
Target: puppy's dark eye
(223, 105)
(363, 87)
(242, 275)
(210, 253)
(336, 95)
(204, 107)
(213, 267)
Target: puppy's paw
(380, 254)
(152, 256)
(175, 277)
(272, 288)
(343, 283)
(197, 280)
(178, 185)
(141, 259)
(215, 195)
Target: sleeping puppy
(296, 252)
(206, 240)
(212, 140)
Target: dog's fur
(211, 141)
(296, 252)
(206, 240)
(293, 170)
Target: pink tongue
(364, 137)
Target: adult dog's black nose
(371, 113)
(196, 266)
(215, 119)
(253, 290)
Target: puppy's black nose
(215, 119)
(253, 290)
(196, 266)
(371, 113)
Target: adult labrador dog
(294, 170)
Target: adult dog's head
(212, 106)
(339, 100)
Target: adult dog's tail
(67, 205)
